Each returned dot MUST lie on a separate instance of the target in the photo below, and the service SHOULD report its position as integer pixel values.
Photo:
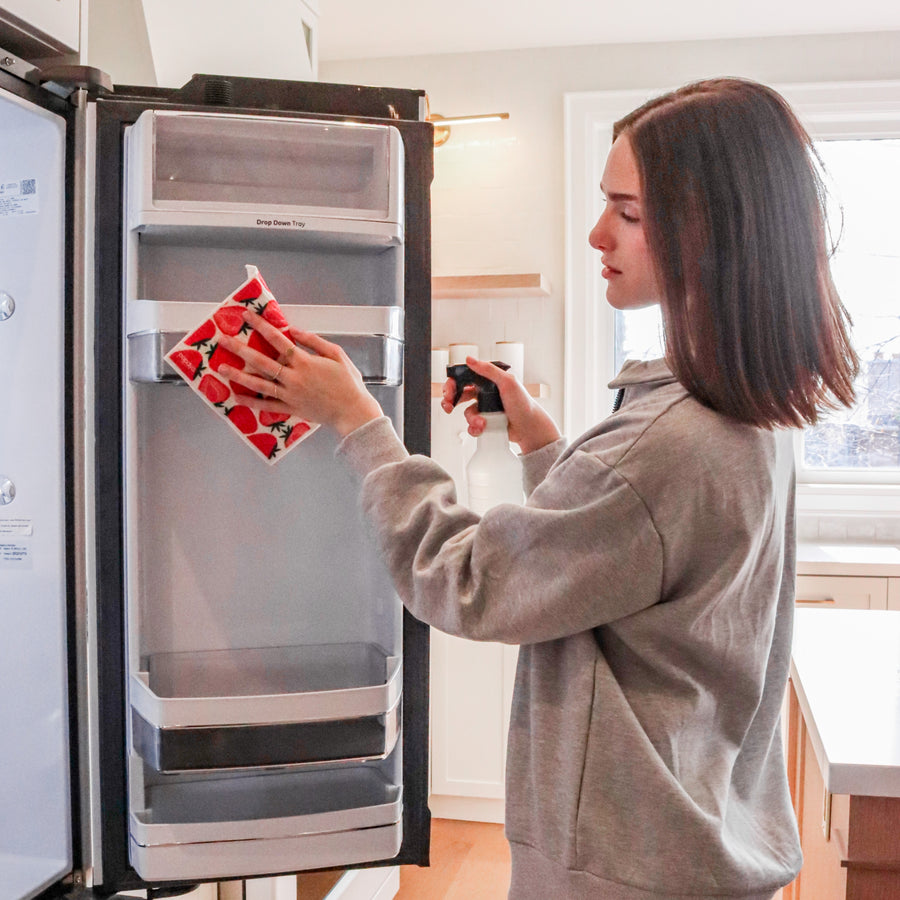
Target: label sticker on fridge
(16, 527)
(18, 198)
(14, 555)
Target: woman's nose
(598, 238)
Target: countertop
(845, 667)
(880, 560)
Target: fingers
(474, 420)
(259, 362)
(488, 370)
(317, 344)
(285, 344)
(448, 395)
(256, 383)
(280, 341)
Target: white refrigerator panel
(35, 819)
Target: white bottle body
(494, 473)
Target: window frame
(829, 110)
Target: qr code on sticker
(28, 186)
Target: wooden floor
(469, 861)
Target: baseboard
(469, 809)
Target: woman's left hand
(311, 378)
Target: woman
(649, 577)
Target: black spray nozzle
(487, 392)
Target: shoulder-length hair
(734, 213)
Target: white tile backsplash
(849, 530)
(483, 322)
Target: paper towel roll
(440, 359)
(513, 354)
(459, 352)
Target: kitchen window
(863, 444)
(850, 462)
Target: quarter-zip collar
(636, 371)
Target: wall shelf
(466, 287)
(541, 391)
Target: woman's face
(619, 234)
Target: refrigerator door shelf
(184, 315)
(260, 824)
(220, 860)
(266, 685)
(358, 739)
(378, 358)
(273, 168)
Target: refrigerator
(205, 671)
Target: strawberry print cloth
(198, 356)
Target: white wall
(499, 194)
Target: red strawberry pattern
(270, 418)
(202, 335)
(199, 355)
(243, 418)
(297, 432)
(267, 444)
(249, 291)
(272, 313)
(222, 357)
(230, 320)
(189, 361)
(213, 389)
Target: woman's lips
(609, 272)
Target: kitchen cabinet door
(281, 44)
(822, 828)
(471, 695)
(893, 593)
(842, 592)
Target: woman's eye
(628, 218)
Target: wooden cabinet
(893, 593)
(848, 576)
(851, 843)
(842, 591)
(471, 695)
(278, 39)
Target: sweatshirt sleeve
(537, 464)
(582, 551)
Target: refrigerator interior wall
(35, 816)
(264, 634)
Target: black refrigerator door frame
(50, 102)
(249, 97)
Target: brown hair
(734, 212)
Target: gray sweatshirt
(649, 580)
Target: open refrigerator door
(218, 678)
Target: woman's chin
(622, 303)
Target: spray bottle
(494, 473)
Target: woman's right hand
(529, 425)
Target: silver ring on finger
(276, 373)
(275, 392)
